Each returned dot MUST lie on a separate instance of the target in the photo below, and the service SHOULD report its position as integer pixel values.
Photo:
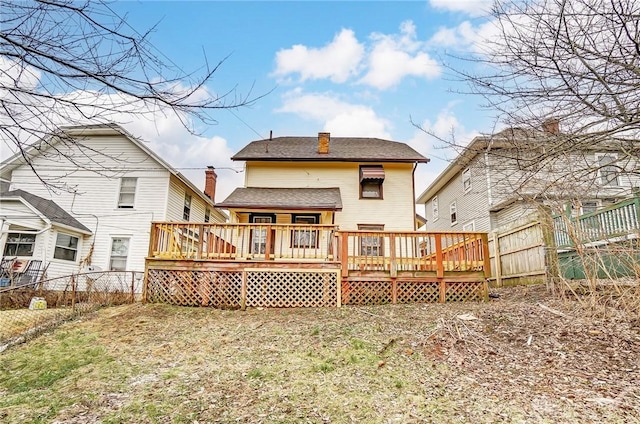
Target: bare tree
(564, 76)
(64, 62)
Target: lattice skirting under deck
(236, 289)
(285, 288)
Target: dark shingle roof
(352, 149)
(284, 198)
(47, 208)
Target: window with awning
(371, 178)
(371, 173)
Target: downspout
(413, 194)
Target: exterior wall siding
(396, 211)
(472, 206)
(92, 197)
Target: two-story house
(92, 201)
(498, 180)
(354, 183)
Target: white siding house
(108, 185)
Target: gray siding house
(498, 180)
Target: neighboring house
(496, 183)
(105, 190)
(353, 183)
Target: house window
(19, 244)
(66, 247)
(434, 208)
(119, 253)
(127, 192)
(371, 245)
(305, 237)
(608, 170)
(466, 180)
(469, 226)
(186, 212)
(207, 215)
(259, 235)
(453, 213)
(588, 207)
(371, 179)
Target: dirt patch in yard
(524, 357)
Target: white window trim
(600, 176)
(126, 258)
(435, 208)
(122, 205)
(466, 172)
(469, 226)
(77, 249)
(453, 209)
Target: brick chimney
(551, 126)
(210, 179)
(323, 142)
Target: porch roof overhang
(317, 199)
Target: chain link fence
(27, 310)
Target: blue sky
(363, 68)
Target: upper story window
(66, 247)
(607, 169)
(19, 244)
(453, 213)
(371, 179)
(434, 208)
(207, 215)
(186, 212)
(127, 192)
(466, 180)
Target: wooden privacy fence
(240, 265)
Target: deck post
(344, 253)
(267, 248)
(442, 286)
(394, 290)
(393, 266)
(243, 291)
(200, 241)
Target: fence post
(133, 281)
(552, 261)
(73, 293)
(497, 259)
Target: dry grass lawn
(524, 358)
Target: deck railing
(617, 220)
(413, 251)
(183, 240)
(356, 250)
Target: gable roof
(47, 208)
(110, 129)
(284, 198)
(341, 149)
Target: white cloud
(449, 135)
(337, 60)
(470, 7)
(465, 35)
(393, 57)
(337, 116)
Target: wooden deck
(251, 265)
